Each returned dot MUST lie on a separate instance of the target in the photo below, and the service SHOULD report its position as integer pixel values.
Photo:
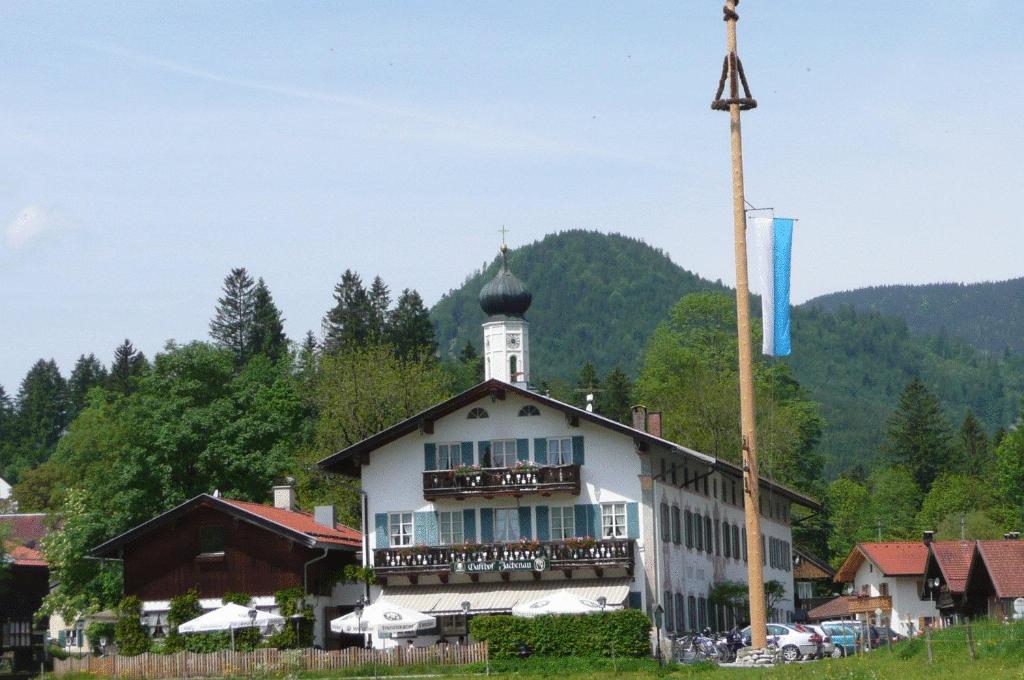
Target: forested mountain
(598, 298)
(989, 316)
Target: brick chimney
(284, 495)
(640, 418)
(654, 423)
(929, 536)
(324, 515)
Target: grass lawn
(999, 650)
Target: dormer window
(477, 413)
(529, 410)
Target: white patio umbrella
(229, 617)
(382, 617)
(559, 602)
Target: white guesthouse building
(500, 495)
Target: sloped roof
(25, 528)
(350, 459)
(1004, 561)
(954, 560)
(302, 521)
(23, 556)
(833, 609)
(293, 524)
(809, 566)
(892, 558)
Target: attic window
(477, 413)
(211, 541)
(529, 410)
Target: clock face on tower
(512, 341)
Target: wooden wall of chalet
(166, 562)
(23, 591)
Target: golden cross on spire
(503, 231)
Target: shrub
(244, 599)
(129, 634)
(96, 631)
(183, 608)
(291, 601)
(620, 633)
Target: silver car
(794, 640)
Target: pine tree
(232, 324)
(89, 372)
(380, 302)
(40, 415)
(128, 365)
(347, 324)
(973, 448)
(266, 334)
(410, 330)
(919, 435)
(308, 355)
(616, 401)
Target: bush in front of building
(619, 633)
(297, 632)
(130, 636)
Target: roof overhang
(351, 459)
(112, 548)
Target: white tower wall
(506, 341)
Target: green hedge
(619, 633)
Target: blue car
(844, 635)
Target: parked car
(795, 641)
(845, 636)
(828, 648)
(881, 636)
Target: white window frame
(560, 451)
(398, 535)
(613, 520)
(562, 522)
(506, 530)
(450, 530)
(508, 448)
(453, 451)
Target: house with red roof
(893, 572)
(221, 545)
(971, 579)
(27, 583)
(946, 570)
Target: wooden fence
(264, 661)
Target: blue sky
(150, 147)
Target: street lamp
(659, 615)
(358, 609)
(465, 618)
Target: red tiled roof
(1004, 561)
(26, 528)
(302, 522)
(894, 558)
(23, 556)
(954, 559)
(833, 609)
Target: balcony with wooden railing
(521, 480)
(525, 555)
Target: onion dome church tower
(506, 333)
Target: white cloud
(32, 223)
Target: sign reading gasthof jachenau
(525, 564)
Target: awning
(500, 597)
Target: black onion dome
(505, 295)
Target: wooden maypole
(732, 71)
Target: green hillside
(989, 316)
(598, 298)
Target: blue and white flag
(775, 248)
